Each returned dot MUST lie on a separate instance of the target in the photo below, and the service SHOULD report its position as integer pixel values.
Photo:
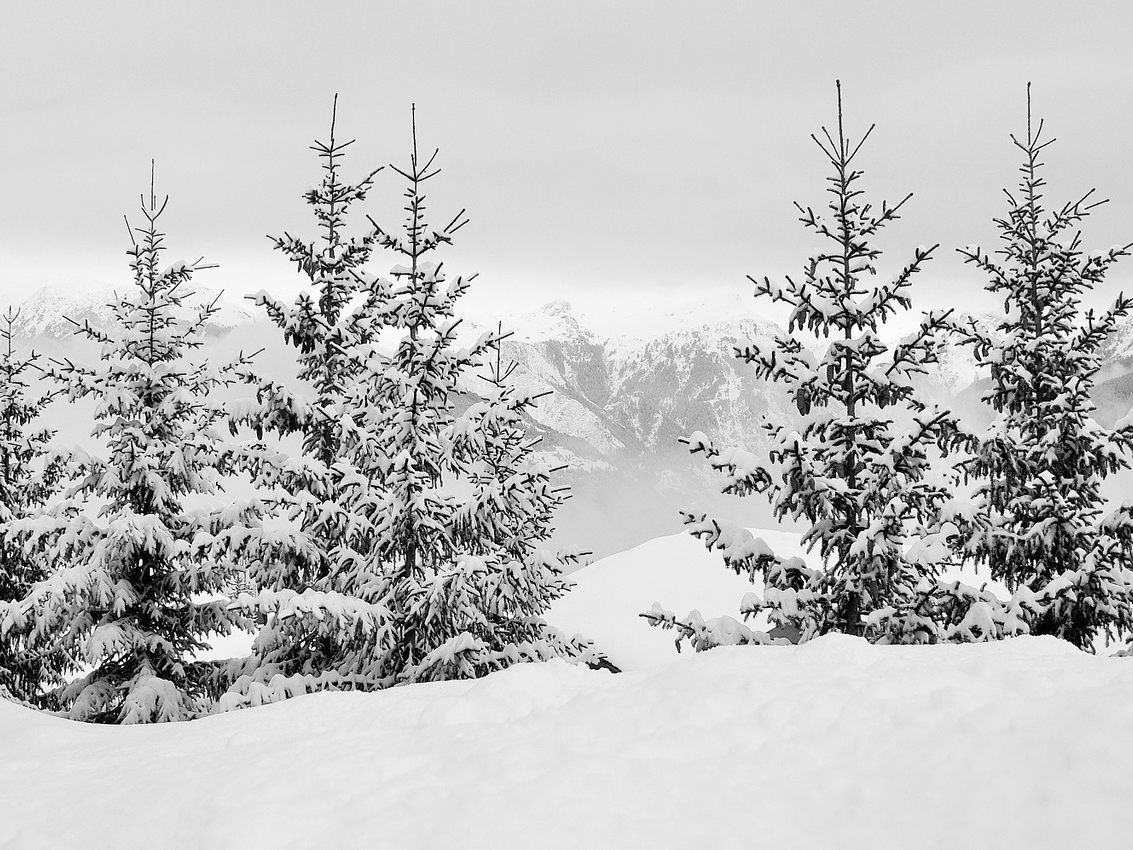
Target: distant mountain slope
(625, 384)
(643, 389)
(47, 312)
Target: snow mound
(834, 743)
(610, 595)
(678, 572)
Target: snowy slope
(677, 571)
(836, 743)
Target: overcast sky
(630, 147)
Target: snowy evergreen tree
(1039, 521)
(138, 557)
(29, 475)
(506, 521)
(313, 626)
(464, 579)
(859, 471)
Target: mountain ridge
(624, 388)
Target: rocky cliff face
(638, 393)
(620, 403)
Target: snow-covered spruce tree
(858, 469)
(507, 519)
(139, 558)
(464, 578)
(1039, 520)
(306, 571)
(29, 475)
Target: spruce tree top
(323, 324)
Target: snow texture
(925, 746)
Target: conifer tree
(857, 471)
(506, 522)
(323, 324)
(1039, 522)
(464, 579)
(138, 561)
(393, 577)
(313, 625)
(29, 475)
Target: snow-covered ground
(832, 744)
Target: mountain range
(624, 386)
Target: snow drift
(678, 572)
(834, 743)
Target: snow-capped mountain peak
(47, 311)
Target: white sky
(604, 150)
